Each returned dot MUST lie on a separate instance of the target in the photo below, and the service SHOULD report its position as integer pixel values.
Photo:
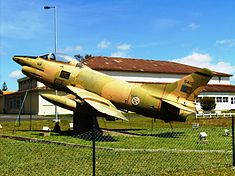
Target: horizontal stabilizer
(180, 106)
(99, 103)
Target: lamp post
(55, 48)
(55, 24)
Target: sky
(198, 33)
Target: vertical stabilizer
(189, 87)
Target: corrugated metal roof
(139, 65)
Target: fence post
(93, 146)
(233, 141)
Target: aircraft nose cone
(18, 60)
(24, 60)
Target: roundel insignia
(135, 101)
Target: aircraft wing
(180, 106)
(99, 103)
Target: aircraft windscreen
(63, 57)
(68, 59)
(50, 56)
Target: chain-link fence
(138, 147)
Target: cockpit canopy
(50, 56)
(62, 58)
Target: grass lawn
(138, 147)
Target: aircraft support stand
(84, 122)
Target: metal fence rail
(126, 151)
(214, 115)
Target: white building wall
(220, 80)
(47, 108)
(220, 106)
(39, 84)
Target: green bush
(207, 103)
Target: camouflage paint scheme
(90, 91)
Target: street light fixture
(48, 7)
(55, 47)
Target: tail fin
(189, 87)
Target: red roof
(219, 88)
(104, 63)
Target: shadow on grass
(101, 137)
(160, 135)
(98, 135)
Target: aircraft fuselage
(125, 96)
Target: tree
(4, 86)
(87, 56)
(207, 103)
(81, 58)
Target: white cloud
(15, 74)
(119, 54)
(123, 50)
(193, 26)
(103, 44)
(206, 61)
(124, 46)
(195, 59)
(223, 67)
(228, 42)
(72, 49)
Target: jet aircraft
(91, 93)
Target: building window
(232, 100)
(225, 99)
(219, 99)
